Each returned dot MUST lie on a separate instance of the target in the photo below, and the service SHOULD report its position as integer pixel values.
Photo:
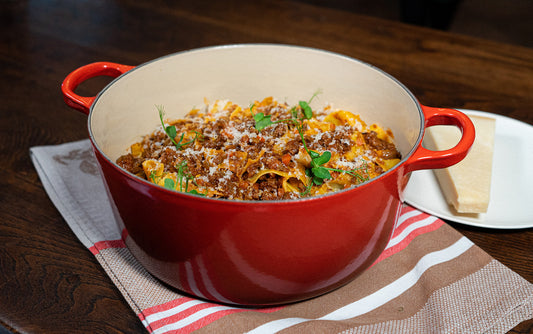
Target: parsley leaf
(262, 121)
(319, 159)
(306, 109)
(170, 184)
(321, 172)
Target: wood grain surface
(48, 281)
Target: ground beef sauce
(268, 151)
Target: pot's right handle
(423, 158)
(76, 77)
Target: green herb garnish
(182, 167)
(184, 179)
(262, 121)
(154, 178)
(171, 131)
(317, 172)
(170, 184)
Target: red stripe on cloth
(408, 208)
(405, 241)
(182, 300)
(190, 312)
(206, 321)
(416, 216)
(181, 315)
(105, 244)
(164, 307)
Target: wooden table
(48, 281)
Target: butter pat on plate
(466, 185)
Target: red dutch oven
(256, 252)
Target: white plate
(511, 197)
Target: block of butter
(466, 185)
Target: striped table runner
(429, 279)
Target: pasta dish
(267, 151)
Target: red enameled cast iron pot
(256, 253)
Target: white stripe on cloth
(421, 223)
(191, 319)
(380, 297)
(407, 215)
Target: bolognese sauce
(267, 151)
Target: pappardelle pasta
(267, 151)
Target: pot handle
(76, 77)
(423, 158)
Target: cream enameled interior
(126, 110)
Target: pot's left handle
(76, 77)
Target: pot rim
(256, 202)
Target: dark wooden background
(48, 281)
